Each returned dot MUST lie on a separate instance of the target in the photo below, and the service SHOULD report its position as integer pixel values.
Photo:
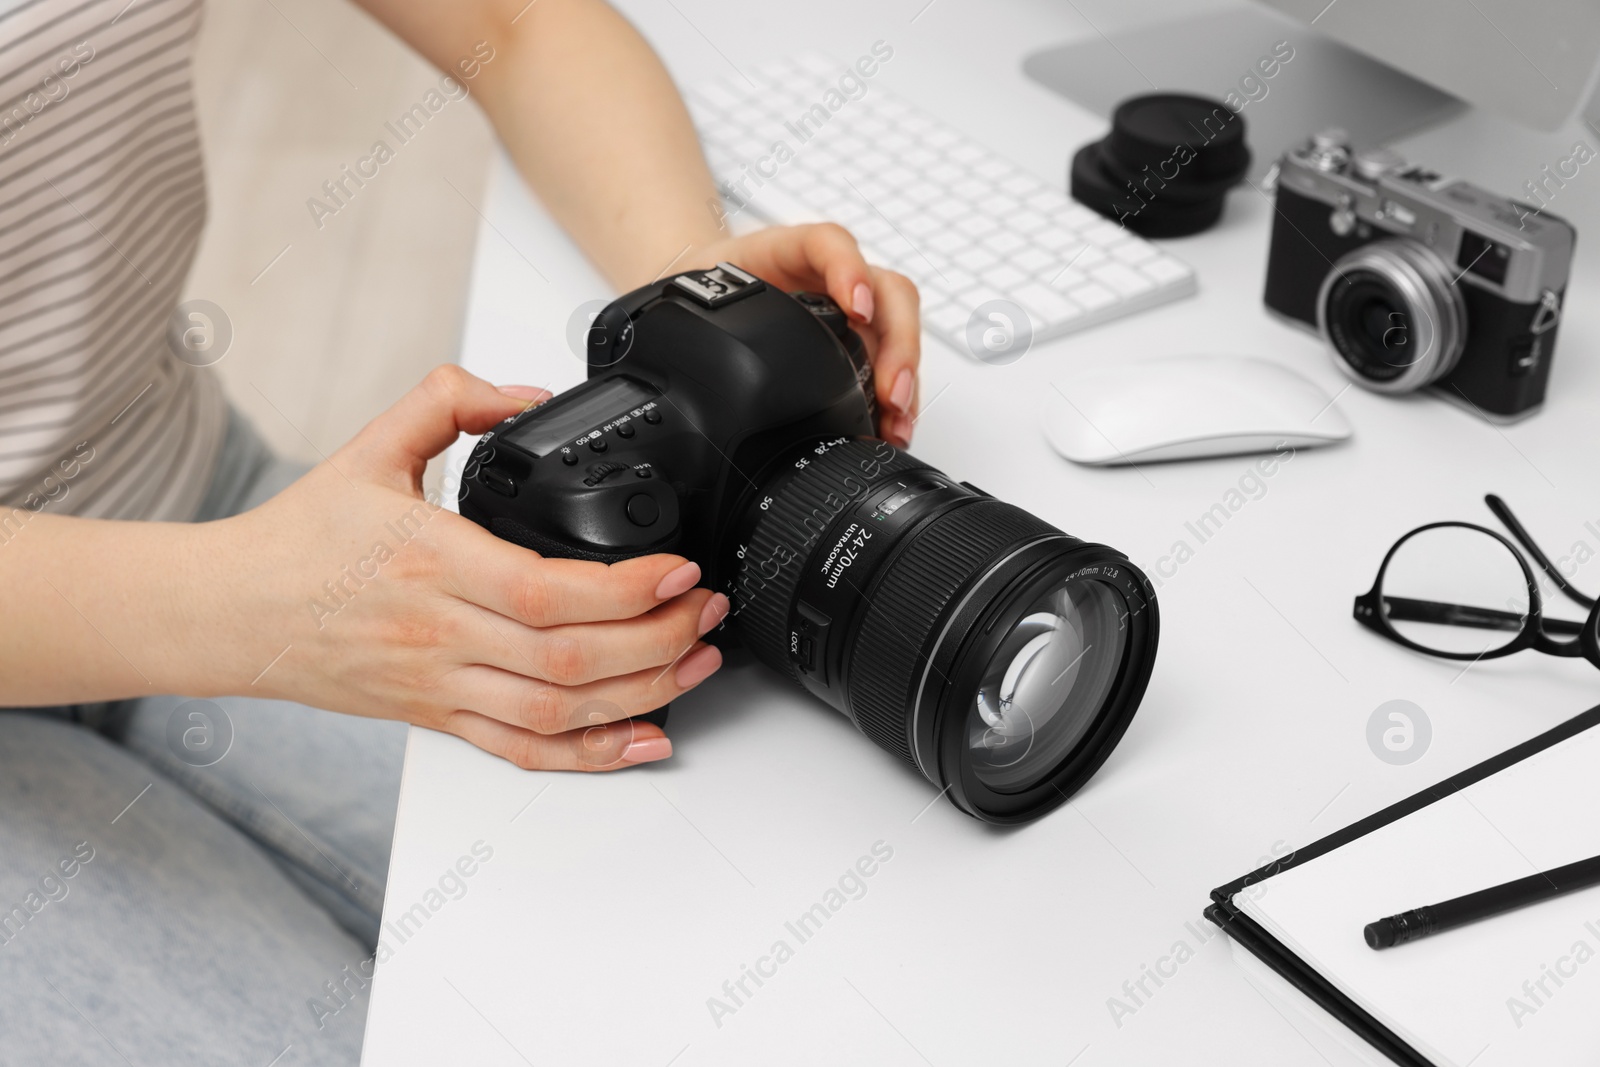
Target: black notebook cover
(1248, 933)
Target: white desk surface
(615, 905)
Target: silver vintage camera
(1415, 279)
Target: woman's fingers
(882, 305)
(547, 708)
(821, 255)
(537, 591)
(428, 419)
(579, 653)
(598, 748)
(899, 351)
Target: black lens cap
(1148, 130)
(1166, 166)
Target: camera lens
(999, 656)
(1041, 689)
(1393, 316)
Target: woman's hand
(882, 305)
(348, 591)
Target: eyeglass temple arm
(1503, 513)
(1405, 609)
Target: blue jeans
(193, 882)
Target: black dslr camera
(1415, 280)
(733, 423)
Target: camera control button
(626, 430)
(643, 510)
(570, 458)
(653, 416)
(497, 481)
(598, 445)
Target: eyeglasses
(1461, 591)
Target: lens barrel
(1393, 316)
(996, 654)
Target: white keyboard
(963, 223)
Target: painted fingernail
(714, 612)
(647, 750)
(526, 392)
(679, 580)
(861, 301)
(900, 395)
(697, 666)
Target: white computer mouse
(1186, 407)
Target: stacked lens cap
(1165, 168)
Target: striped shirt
(102, 199)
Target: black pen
(1411, 925)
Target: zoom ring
(800, 511)
(910, 598)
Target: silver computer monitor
(1534, 61)
(1382, 69)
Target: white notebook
(1520, 988)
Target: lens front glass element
(1455, 589)
(1370, 326)
(1046, 683)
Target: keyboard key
(874, 229)
(976, 259)
(1165, 269)
(1056, 240)
(948, 242)
(957, 279)
(1133, 253)
(1087, 258)
(1077, 217)
(997, 205)
(894, 208)
(971, 189)
(977, 226)
(1005, 276)
(1124, 280)
(1043, 304)
(1033, 260)
(1105, 234)
(1020, 185)
(1026, 221)
(982, 294)
(1093, 297)
(949, 210)
(1004, 243)
(993, 169)
(967, 153)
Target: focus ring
(910, 599)
(798, 513)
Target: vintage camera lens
(999, 656)
(1393, 316)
